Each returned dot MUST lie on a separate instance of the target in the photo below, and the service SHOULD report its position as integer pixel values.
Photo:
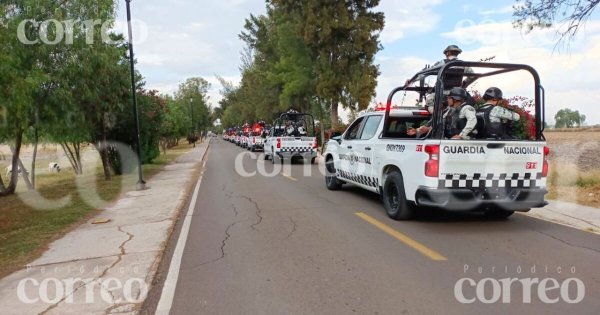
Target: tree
(174, 126)
(193, 98)
(343, 37)
(546, 13)
(567, 118)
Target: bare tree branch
(540, 14)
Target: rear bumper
(516, 199)
(303, 154)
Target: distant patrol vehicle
(292, 135)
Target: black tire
(265, 156)
(498, 214)
(394, 198)
(313, 160)
(331, 180)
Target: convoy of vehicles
(378, 152)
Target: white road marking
(168, 292)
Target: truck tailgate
(497, 164)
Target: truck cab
(384, 152)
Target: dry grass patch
(26, 232)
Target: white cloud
(184, 38)
(569, 76)
(417, 16)
(502, 10)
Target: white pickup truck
(497, 176)
(292, 135)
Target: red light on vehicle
(278, 143)
(546, 166)
(421, 113)
(253, 140)
(432, 166)
(257, 130)
(432, 149)
(314, 144)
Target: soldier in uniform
(495, 120)
(460, 121)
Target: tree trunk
(25, 175)
(77, 148)
(70, 157)
(35, 149)
(103, 150)
(335, 120)
(14, 176)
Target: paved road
(286, 245)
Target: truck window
(354, 129)
(370, 127)
(399, 126)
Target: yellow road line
(289, 177)
(403, 238)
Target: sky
(178, 39)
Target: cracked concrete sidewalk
(99, 269)
(569, 214)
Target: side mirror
(337, 138)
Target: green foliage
(567, 118)
(193, 99)
(309, 55)
(152, 110)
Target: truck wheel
(265, 156)
(331, 180)
(312, 160)
(498, 214)
(394, 198)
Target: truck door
(347, 168)
(363, 153)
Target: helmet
(458, 93)
(453, 48)
(492, 93)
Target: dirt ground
(580, 148)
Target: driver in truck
(460, 121)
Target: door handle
(349, 147)
(368, 148)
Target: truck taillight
(546, 167)
(432, 166)
(253, 140)
(314, 143)
(278, 143)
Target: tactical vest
(486, 128)
(454, 76)
(454, 125)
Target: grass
(26, 232)
(568, 183)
